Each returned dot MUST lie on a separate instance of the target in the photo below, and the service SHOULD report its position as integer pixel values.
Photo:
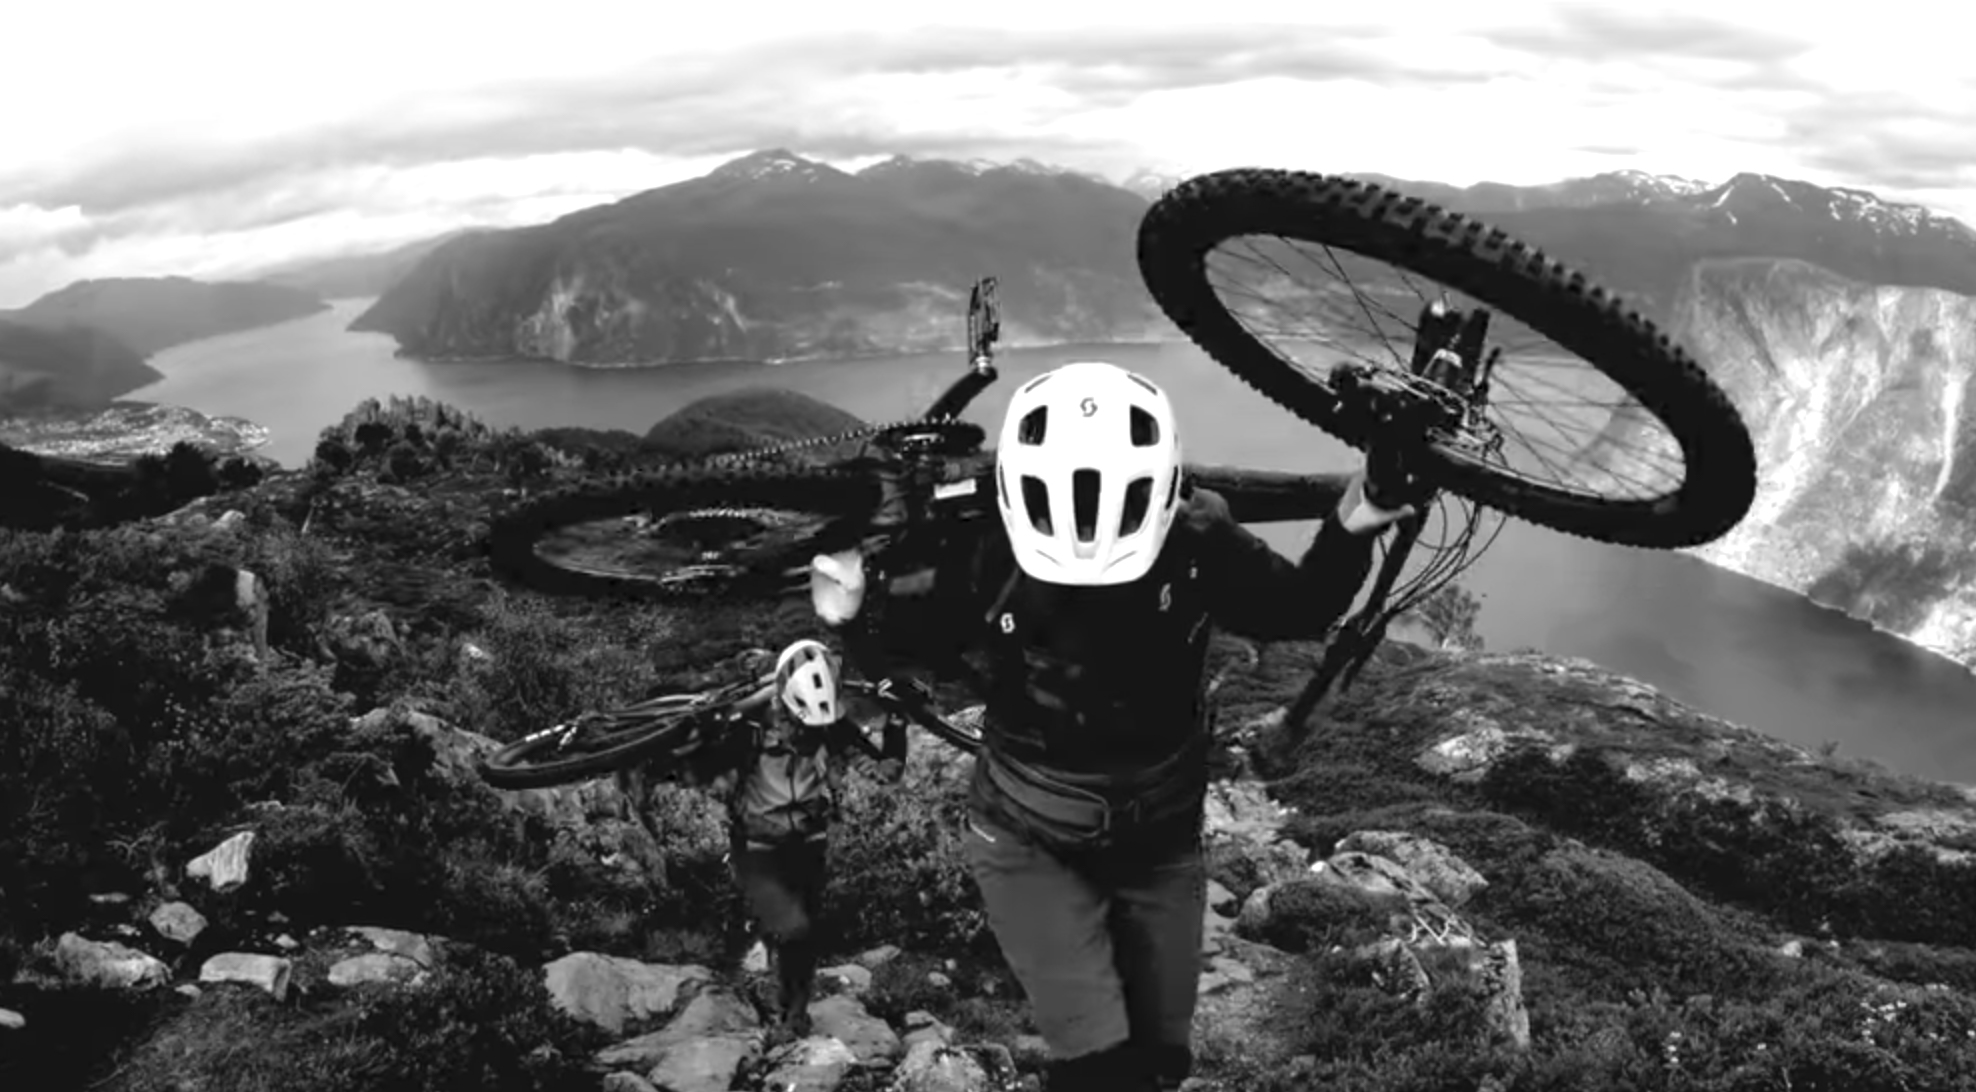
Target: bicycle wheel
(594, 747)
(748, 528)
(1355, 225)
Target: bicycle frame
(913, 700)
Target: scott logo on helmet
(1089, 406)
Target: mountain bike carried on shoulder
(672, 729)
(1488, 384)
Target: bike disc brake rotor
(1545, 415)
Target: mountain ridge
(85, 344)
(356, 275)
(150, 314)
(772, 257)
(775, 256)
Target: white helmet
(1087, 471)
(806, 681)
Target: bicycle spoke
(1567, 435)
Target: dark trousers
(783, 887)
(1108, 949)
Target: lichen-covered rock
(815, 1064)
(843, 1018)
(269, 973)
(107, 963)
(615, 993)
(225, 866)
(175, 921)
(1433, 865)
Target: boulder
(266, 972)
(615, 993)
(175, 921)
(108, 964)
(224, 867)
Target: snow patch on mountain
(1753, 192)
(774, 163)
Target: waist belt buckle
(1134, 809)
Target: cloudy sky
(212, 138)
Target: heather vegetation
(1694, 908)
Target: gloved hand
(1208, 506)
(1383, 494)
(837, 585)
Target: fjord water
(1729, 645)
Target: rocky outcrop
(1407, 909)
(1862, 402)
(774, 257)
(1485, 709)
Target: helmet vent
(1036, 500)
(1084, 501)
(1035, 425)
(1145, 428)
(1138, 501)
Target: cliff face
(775, 257)
(1860, 401)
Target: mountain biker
(1092, 607)
(782, 788)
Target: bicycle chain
(863, 432)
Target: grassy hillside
(1735, 931)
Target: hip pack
(1070, 818)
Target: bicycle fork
(1352, 645)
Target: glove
(837, 585)
(1208, 506)
(1381, 496)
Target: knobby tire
(1719, 479)
(510, 768)
(830, 492)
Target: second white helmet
(806, 681)
(1087, 474)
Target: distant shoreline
(124, 429)
(1938, 653)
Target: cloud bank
(216, 139)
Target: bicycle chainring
(931, 439)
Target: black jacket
(1096, 685)
(782, 781)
